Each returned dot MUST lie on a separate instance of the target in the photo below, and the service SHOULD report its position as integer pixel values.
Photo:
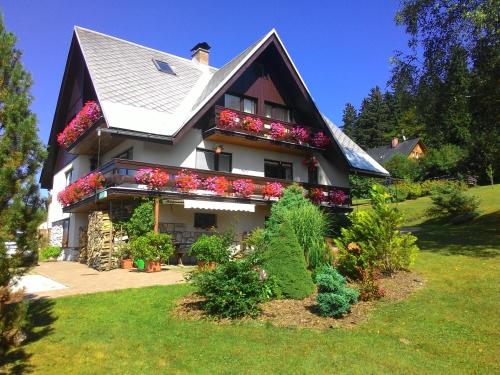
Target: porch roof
(221, 206)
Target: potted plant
(272, 190)
(210, 250)
(152, 248)
(125, 255)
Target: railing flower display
(83, 120)
(186, 181)
(228, 119)
(243, 187)
(253, 124)
(300, 134)
(272, 190)
(337, 197)
(311, 163)
(321, 140)
(278, 131)
(316, 195)
(154, 178)
(81, 188)
(218, 185)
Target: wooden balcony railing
(121, 173)
(234, 122)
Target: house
(213, 146)
(411, 148)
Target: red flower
(243, 187)
(300, 134)
(272, 190)
(218, 184)
(81, 188)
(155, 178)
(83, 120)
(321, 140)
(278, 131)
(187, 181)
(311, 163)
(316, 195)
(227, 119)
(252, 124)
(337, 197)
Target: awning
(222, 206)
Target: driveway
(76, 278)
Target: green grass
(453, 325)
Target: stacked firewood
(82, 257)
(101, 254)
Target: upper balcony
(255, 131)
(128, 179)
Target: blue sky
(341, 48)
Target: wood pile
(101, 254)
(82, 257)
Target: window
(208, 159)
(278, 169)
(277, 112)
(239, 103)
(127, 154)
(205, 221)
(69, 177)
(163, 67)
(65, 236)
(312, 175)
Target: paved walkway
(80, 279)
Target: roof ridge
(76, 27)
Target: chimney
(395, 142)
(200, 53)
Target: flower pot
(152, 266)
(139, 263)
(126, 263)
(206, 266)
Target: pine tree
(21, 154)
(349, 119)
(374, 121)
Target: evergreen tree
(374, 121)
(21, 154)
(349, 119)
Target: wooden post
(157, 214)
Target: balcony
(119, 180)
(255, 131)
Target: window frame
(274, 106)
(197, 216)
(129, 151)
(281, 165)
(69, 173)
(242, 99)
(216, 159)
(313, 176)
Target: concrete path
(80, 279)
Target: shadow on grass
(477, 238)
(40, 318)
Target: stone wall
(56, 235)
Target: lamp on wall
(218, 149)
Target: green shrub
(450, 200)
(283, 259)
(361, 186)
(307, 221)
(210, 248)
(400, 166)
(373, 239)
(233, 289)
(443, 161)
(142, 220)
(334, 297)
(152, 246)
(50, 252)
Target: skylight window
(163, 66)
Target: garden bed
(303, 313)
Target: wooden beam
(157, 214)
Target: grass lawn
(451, 326)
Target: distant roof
(134, 94)
(384, 153)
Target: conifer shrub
(450, 200)
(334, 297)
(283, 259)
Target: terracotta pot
(152, 266)
(126, 263)
(206, 266)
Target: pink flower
(321, 140)
(227, 119)
(272, 190)
(316, 195)
(84, 119)
(155, 178)
(252, 124)
(186, 180)
(278, 131)
(217, 184)
(243, 187)
(81, 188)
(300, 134)
(338, 197)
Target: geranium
(252, 124)
(311, 163)
(228, 119)
(320, 140)
(186, 180)
(81, 188)
(243, 187)
(278, 131)
(272, 190)
(300, 134)
(218, 184)
(337, 197)
(316, 195)
(83, 120)
(154, 178)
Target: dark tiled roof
(384, 153)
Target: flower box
(272, 190)
(187, 181)
(81, 188)
(153, 178)
(243, 187)
(82, 121)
